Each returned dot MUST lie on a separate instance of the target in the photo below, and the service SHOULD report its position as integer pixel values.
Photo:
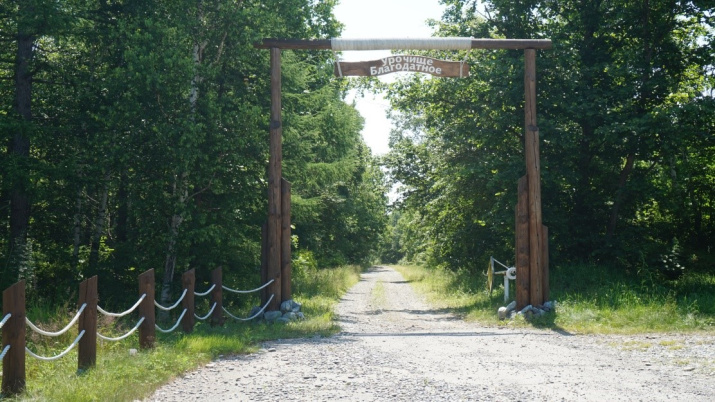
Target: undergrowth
(591, 299)
(124, 375)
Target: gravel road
(394, 347)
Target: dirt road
(394, 347)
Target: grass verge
(591, 299)
(121, 376)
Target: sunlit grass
(590, 299)
(121, 376)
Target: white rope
(340, 44)
(337, 63)
(207, 315)
(495, 260)
(4, 352)
(175, 304)
(461, 63)
(166, 331)
(4, 320)
(49, 359)
(247, 291)
(60, 332)
(206, 292)
(249, 318)
(101, 310)
(119, 338)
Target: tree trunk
(98, 228)
(179, 187)
(19, 149)
(77, 239)
(625, 172)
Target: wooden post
(274, 183)
(264, 262)
(286, 292)
(188, 282)
(217, 297)
(533, 172)
(522, 244)
(87, 346)
(13, 334)
(147, 331)
(545, 261)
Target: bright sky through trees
(375, 19)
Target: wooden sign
(397, 63)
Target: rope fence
(252, 317)
(4, 320)
(60, 332)
(125, 336)
(122, 314)
(14, 322)
(247, 291)
(160, 307)
(166, 331)
(4, 352)
(53, 358)
(206, 292)
(207, 315)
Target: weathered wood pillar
(274, 183)
(87, 346)
(533, 172)
(286, 292)
(188, 282)
(147, 331)
(522, 245)
(217, 297)
(13, 334)
(264, 263)
(545, 261)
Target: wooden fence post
(274, 183)
(264, 263)
(545, 261)
(188, 282)
(87, 347)
(533, 172)
(13, 334)
(217, 297)
(522, 244)
(286, 292)
(147, 331)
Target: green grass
(119, 376)
(591, 299)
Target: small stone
(549, 305)
(271, 316)
(300, 316)
(526, 309)
(291, 316)
(255, 310)
(502, 313)
(132, 352)
(282, 320)
(287, 306)
(271, 349)
(296, 307)
(690, 368)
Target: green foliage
(148, 145)
(120, 376)
(626, 119)
(591, 299)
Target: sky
(382, 19)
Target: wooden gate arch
(531, 235)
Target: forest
(136, 137)
(626, 117)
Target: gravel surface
(394, 347)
